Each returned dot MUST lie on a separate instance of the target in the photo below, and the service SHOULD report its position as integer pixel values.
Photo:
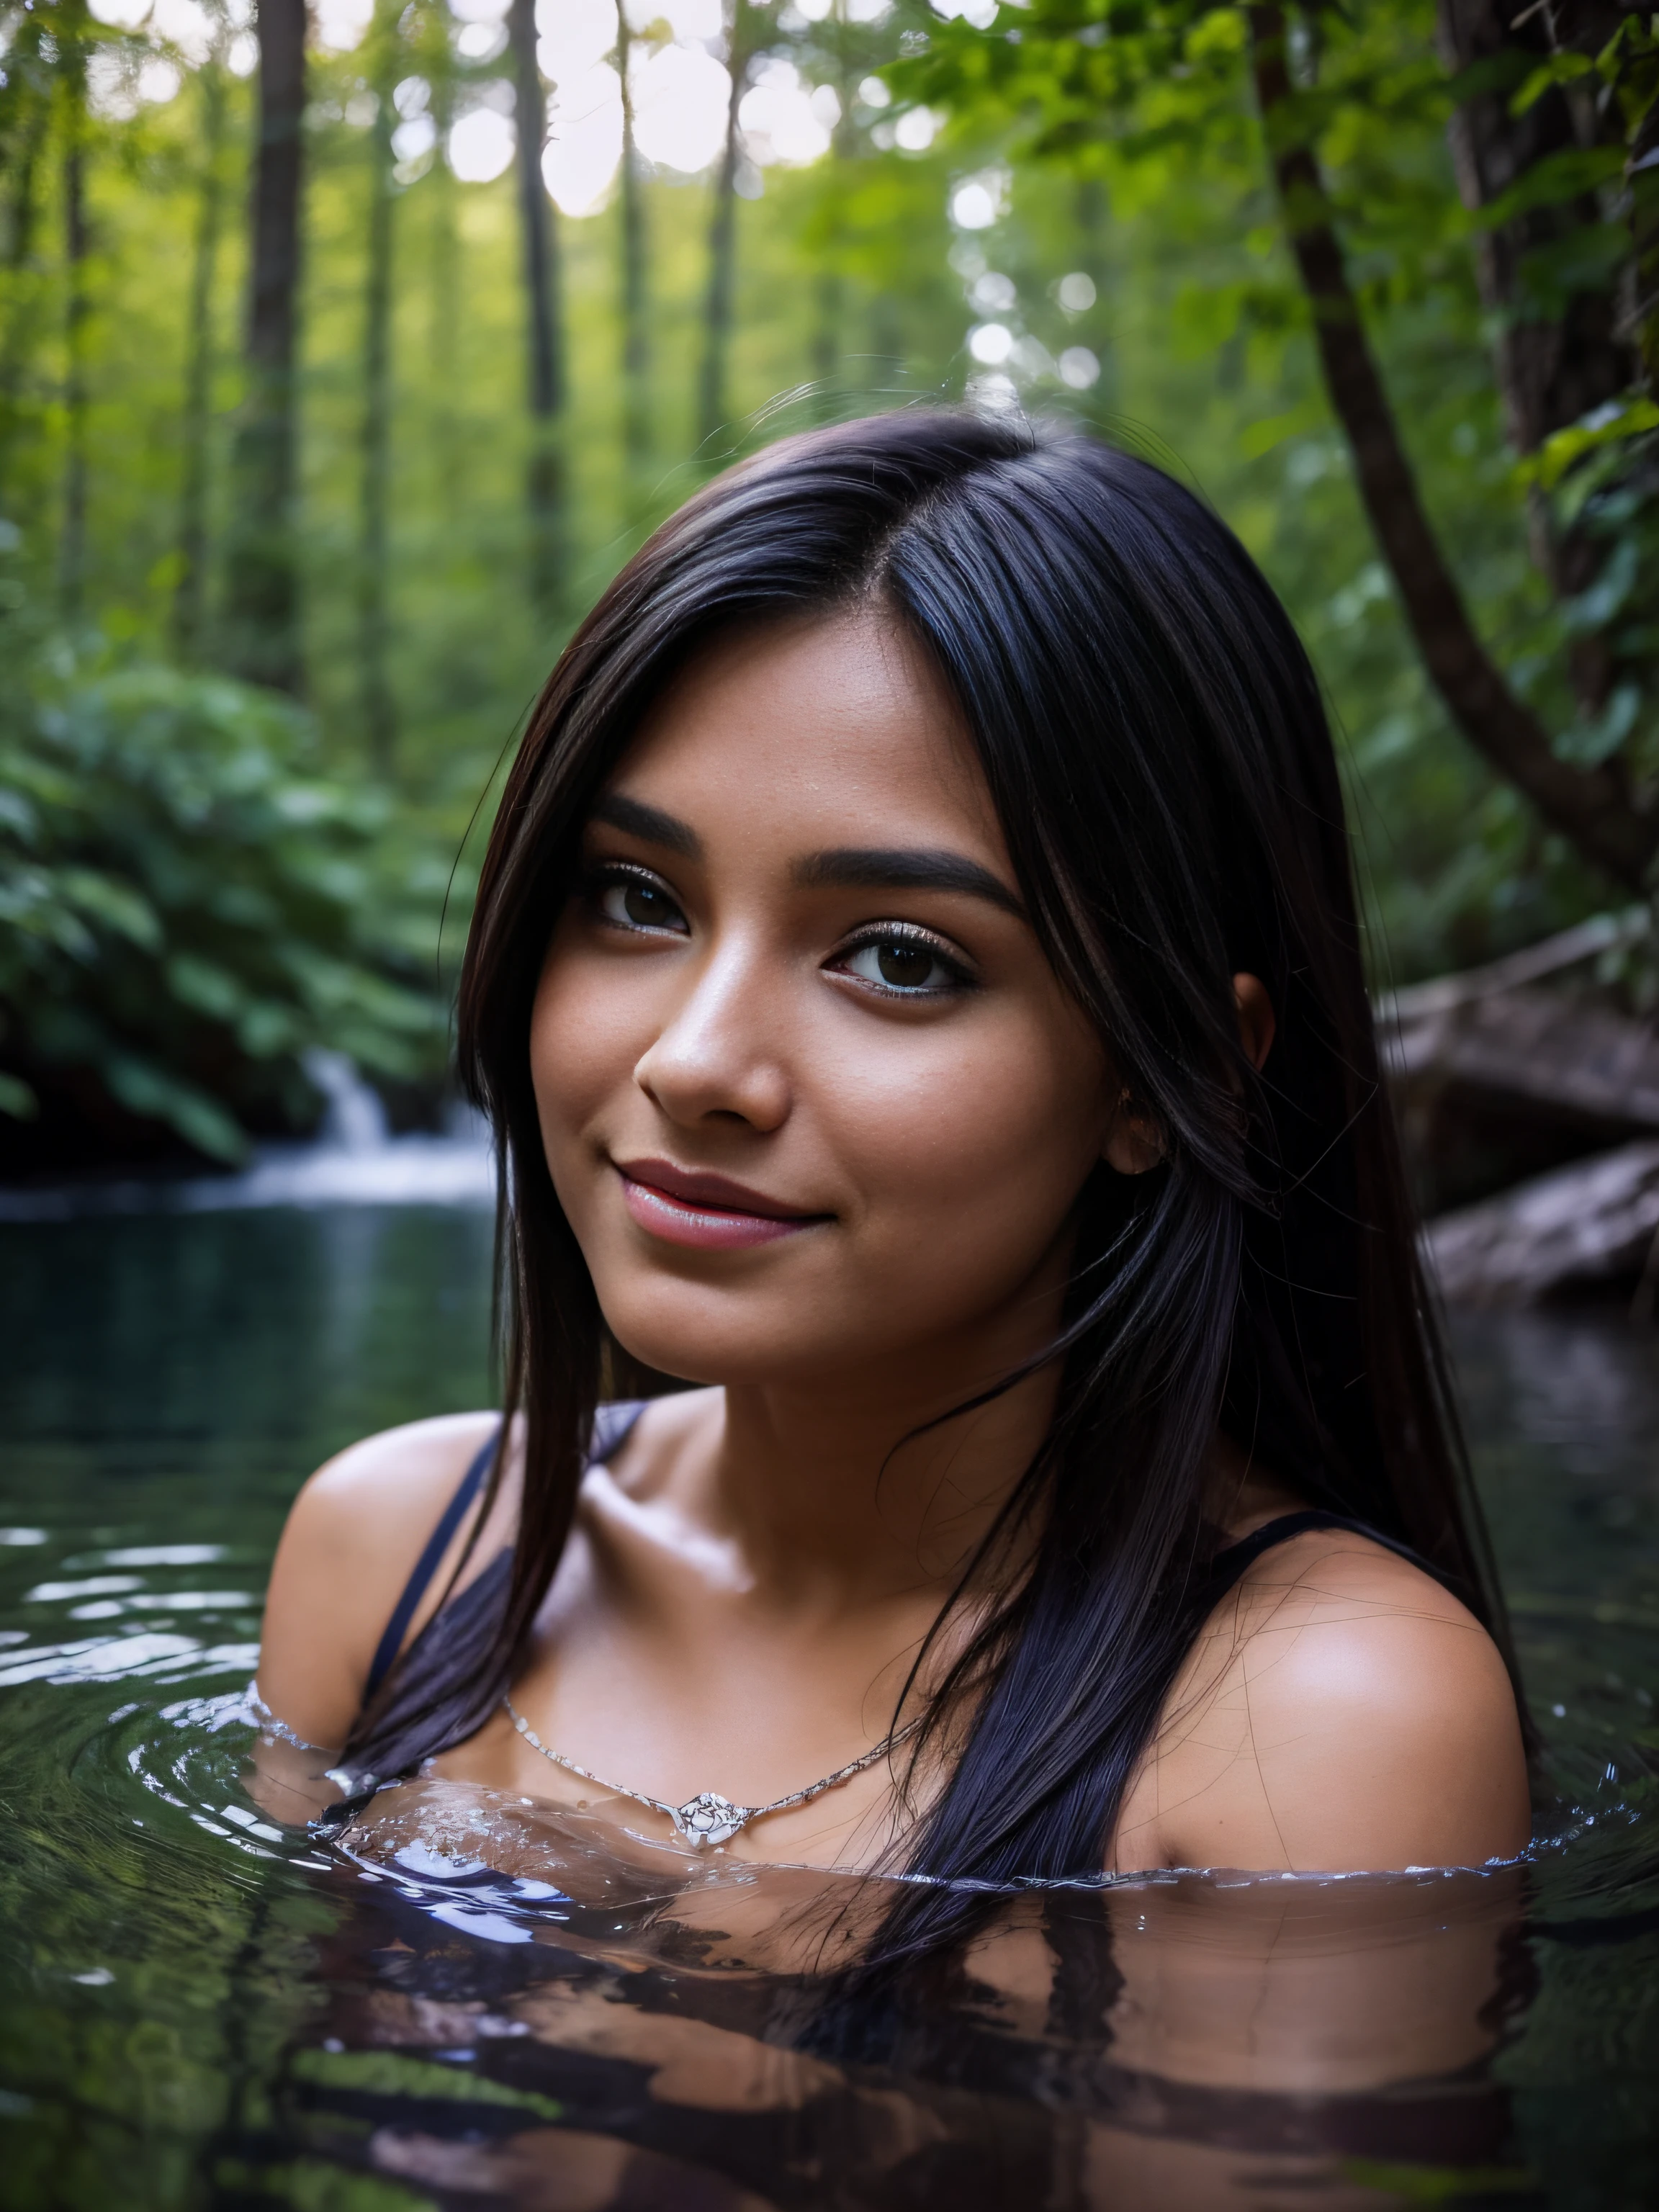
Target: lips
(709, 1212)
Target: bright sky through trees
(681, 90)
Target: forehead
(825, 731)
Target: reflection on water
(475, 2002)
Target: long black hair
(1158, 751)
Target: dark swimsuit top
(441, 1695)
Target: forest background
(345, 352)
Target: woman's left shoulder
(1342, 1710)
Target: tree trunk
(544, 477)
(22, 212)
(635, 305)
(190, 593)
(828, 335)
(1642, 181)
(1553, 369)
(261, 599)
(72, 544)
(446, 304)
(379, 721)
(721, 296)
(1549, 372)
(1590, 807)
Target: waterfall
(353, 1160)
(354, 1120)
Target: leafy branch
(1557, 154)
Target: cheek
(977, 1143)
(581, 1047)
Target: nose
(717, 1057)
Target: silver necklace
(709, 1818)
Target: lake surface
(479, 2005)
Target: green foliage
(1154, 101)
(396, 2073)
(1127, 138)
(188, 902)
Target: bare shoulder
(1340, 1710)
(352, 1536)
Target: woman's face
(813, 1100)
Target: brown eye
(904, 964)
(633, 902)
(906, 967)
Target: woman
(916, 988)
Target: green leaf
(146, 1089)
(1600, 603)
(268, 1028)
(116, 904)
(205, 988)
(1603, 426)
(1261, 437)
(313, 2184)
(392, 2073)
(1571, 174)
(17, 1099)
(1558, 69)
(17, 815)
(1588, 743)
(1437, 2184)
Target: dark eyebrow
(915, 870)
(650, 822)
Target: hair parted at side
(1155, 743)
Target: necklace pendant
(709, 1818)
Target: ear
(1256, 1024)
(1133, 1143)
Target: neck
(826, 1484)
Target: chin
(749, 1342)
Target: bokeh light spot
(481, 146)
(681, 97)
(991, 343)
(584, 139)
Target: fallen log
(1593, 1223)
(1507, 1072)
(1550, 955)
(1584, 1062)
(1503, 1085)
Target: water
(483, 2004)
(354, 1161)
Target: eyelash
(617, 875)
(611, 875)
(912, 939)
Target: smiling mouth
(708, 1212)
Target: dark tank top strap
(427, 1565)
(1236, 1559)
(612, 1425)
